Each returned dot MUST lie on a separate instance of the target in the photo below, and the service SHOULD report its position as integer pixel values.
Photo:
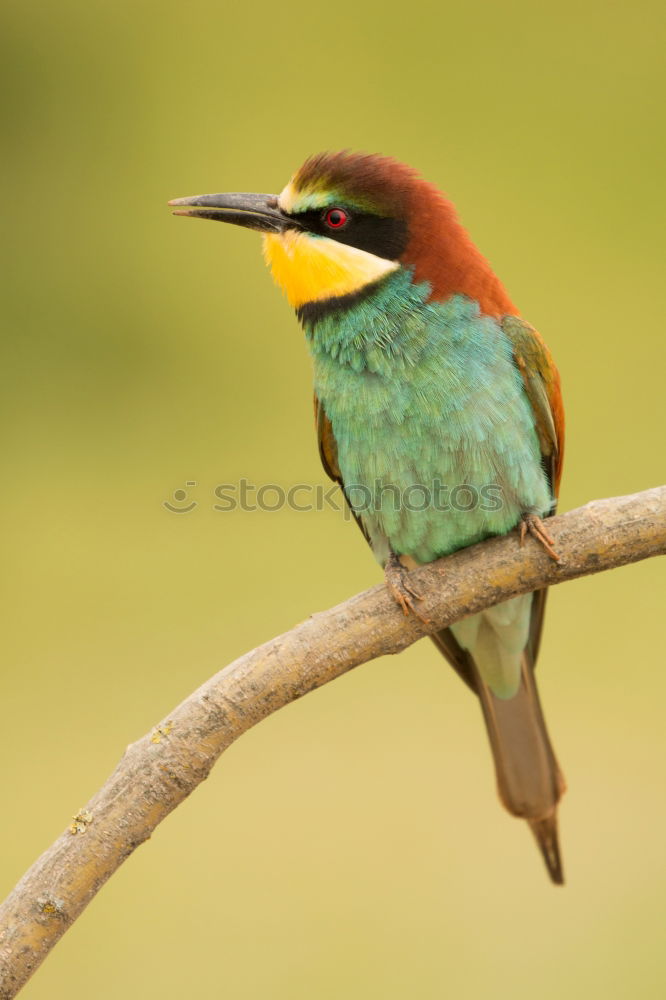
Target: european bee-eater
(438, 411)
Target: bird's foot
(401, 590)
(533, 525)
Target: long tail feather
(545, 833)
(529, 780)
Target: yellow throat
(312, 268)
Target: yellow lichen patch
(161, 731)
(311, 268)
(81, 821)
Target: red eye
(336, 218)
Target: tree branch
(160, 770)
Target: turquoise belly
(436, 438)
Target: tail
(529, 781)
(494, 653)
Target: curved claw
(401, 589)
(537, 529)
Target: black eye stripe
(383, 237)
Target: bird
(438, 410)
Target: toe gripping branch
(533, 525)
(402, 591)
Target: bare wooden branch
(160, 770)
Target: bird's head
(347, 220)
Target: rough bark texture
(156, 773)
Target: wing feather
(542, 385)
(328, 452)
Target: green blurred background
(352, 845)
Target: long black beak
(254, 211)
